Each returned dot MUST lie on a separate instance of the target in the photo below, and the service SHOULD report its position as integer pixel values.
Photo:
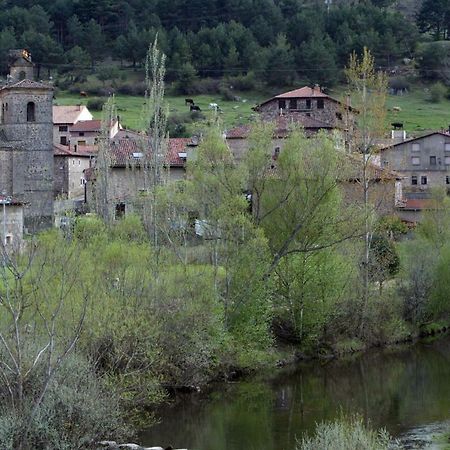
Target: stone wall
(333, 112)
(14, 225)
(30, 153)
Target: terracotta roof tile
(81, 151)
(282, 128)
(94, 125)
(67, 114)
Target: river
(404, 389)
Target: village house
(308, 102)
(87, 132)
(309, 108)
(11, 223)
(126, 177)
(70, 164)
(237, 138)
(424, 164)
(65, 117)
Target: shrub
(205, 86)
(246, 82)
(437, 92)
(227, 94)
(96, 103)
(399, 84)
(77, 411)
(345, 434)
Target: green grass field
(417, 114)
(129, 108)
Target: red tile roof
(122, 151)
(81, 151)
(94, 125)
(282, 126)
(418, 204)
(303, 92)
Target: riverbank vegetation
(346, 433)
(139, 317)
(226, 271)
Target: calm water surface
(399, 389)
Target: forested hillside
(279, 41)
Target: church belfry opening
(31, 107)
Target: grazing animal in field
(215, 107)
(396, 109)
(189, 101)
(195, 108)
(83, 94)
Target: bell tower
(20, 66)
(26, 145)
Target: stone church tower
(26, 143)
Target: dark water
(399, 389)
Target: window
(447, 180)
(81, 133)
(293, 103)
(63, 140)
(81, 142)
(120, 210)
(63, 128)
(320, 104)
(339, 116)
(432, 160)
(447, 146)
(8, 239)
(308, 103)
(415, 147)
(31, 112)
(414, 180)
(423, 180)
(415, 161)
(79, 162)
(276, 153)
(22, 75)
(447, 160)
(282, 104)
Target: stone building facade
(26, 150)
(11, 223)
(424, 164)
(308, 102)
(69, 171)
(64, 117)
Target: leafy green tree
(434, 17)
(7, 42)
(280, 68)
(384, 262)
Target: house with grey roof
(424, 164)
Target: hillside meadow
(417, 113)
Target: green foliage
(77, 411)
(437, 92)
(384, 261)
(344, 434)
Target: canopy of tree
(278, 40)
